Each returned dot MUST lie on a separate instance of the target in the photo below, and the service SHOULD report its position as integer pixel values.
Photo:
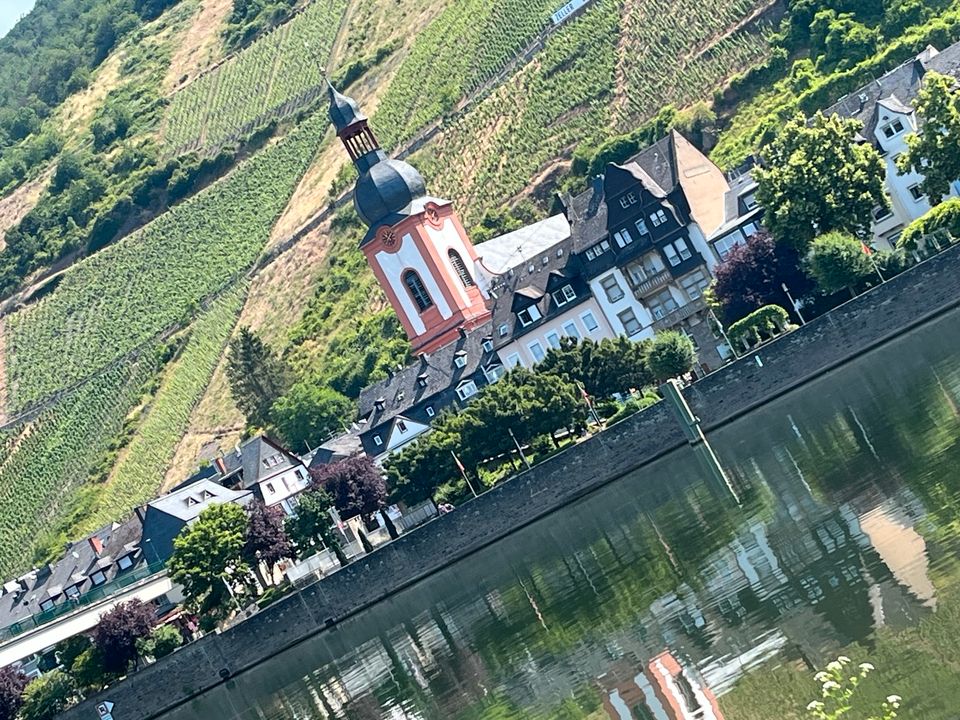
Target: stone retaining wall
(907, 301)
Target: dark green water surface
(660, 598)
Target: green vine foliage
(763, 322)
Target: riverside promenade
(907, 301)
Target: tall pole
(793, 302)
(723, 333)
(519, 449)
(463, 471)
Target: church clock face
(388, 237)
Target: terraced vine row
(44, 462)
(153, 280)
(273, 77)
(140, 471)
(467, 45)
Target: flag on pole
(459, 464)
(867, 250)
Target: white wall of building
(394, 265)
(519, 351)
(403, 432)
(612, 309)
(285, 485)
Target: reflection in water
(659, 597)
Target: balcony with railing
(674, 317)
(652, 284)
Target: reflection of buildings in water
(664, 689)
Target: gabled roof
(187, 503)
(257, 459)
(896, 89)
(402, 390)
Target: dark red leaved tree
(117, 634)
(356, 484)
(266, 539)
(12, 683)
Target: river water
(659, 597)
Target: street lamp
(793, 302)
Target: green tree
(310, 412)
(209, 554)
(818, 179)
(161, 642)
(47, 696)
(312, 527)
(671, 354)
(838, 262)
(934, 152)
(415, 473)
(257, 376)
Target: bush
(47, 696)
(838, 262)
(161, 642)
(944, 218)
(763, 323)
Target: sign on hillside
(567, 10)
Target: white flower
(815, 705)
(834, 666)
(866, 667)
(844, 660)
(829, 686)
(822, 676)
(894, 700)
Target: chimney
(221, 465)
(462, 331)
(597, 197)
(96, 544)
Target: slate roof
(734, 216)
(402, 390)
(896, 88)
(21, 597)
(187, 503)
(335, 449)
(516, 248)
(249, 461)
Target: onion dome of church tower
(386, 187)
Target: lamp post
(793, 302)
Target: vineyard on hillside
(152, 281)
(467, 45)
(45, 461)
(138, 475)
(660, 65)
(567, 97)
(274, 77)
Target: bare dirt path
(201, 45)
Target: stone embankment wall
(907, 301)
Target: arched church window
(417, 291)
(460, 268)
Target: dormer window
(377, 440)
(47, 604)
(98, 578)
(460, 359)
(379, 404)
(467, 389)
(503, 330)
(893, 129)
(422, 380)
(529, 315)
(487, 345)
(72, 592)
(564, 295)
(750, 201)
(125, 562)
(658, 218)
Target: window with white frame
(430, 411)
(642, 270)
(881, 212)
(529, 315)
(677, 251)
(893, 129)
(401, 426)
(628, 200)
(597, 250)
(564, 295)
(553, 339)
(487, 346)
(513, 360)
(503, 330)
(694, 284)
(661, 304)
(537, 351)
(641, 226)
(377, 440)
(631, 325)
(460, 360)
(612, 288)
(750, 201)
(915, 192)
(658, 218)
(589, 321)
(570, 330)
(724, 245)
(466, 389)
(622, 238)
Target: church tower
(415, 243)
